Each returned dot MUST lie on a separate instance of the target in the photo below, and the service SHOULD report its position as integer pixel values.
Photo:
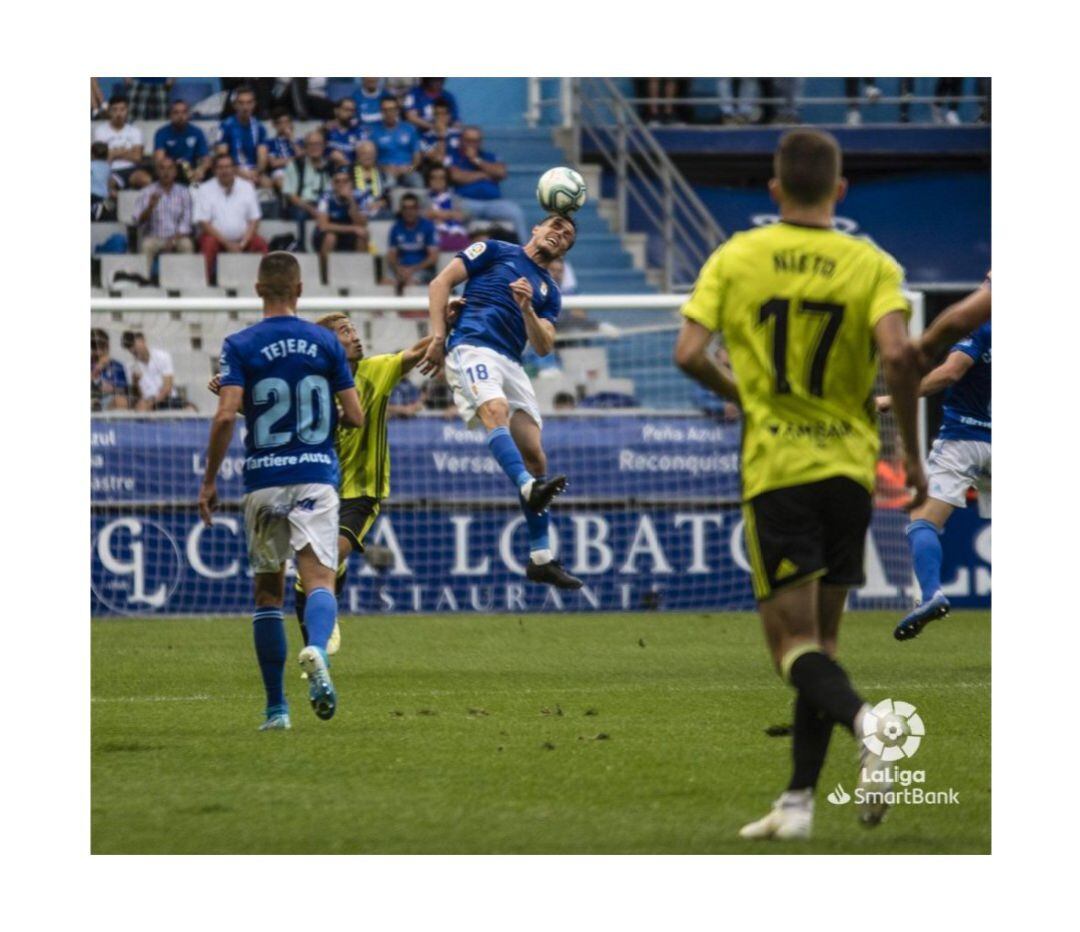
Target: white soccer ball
(561, 190)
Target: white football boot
(791, 817)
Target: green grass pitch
(586, 733)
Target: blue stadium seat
(336, 88)
(191, 91)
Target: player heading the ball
(284, 374)
(510, 300)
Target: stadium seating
(183, 273)
(352, 271)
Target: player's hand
(916, 481)
(453, 310)
(214, 385)
(883, 403)
(434, 358)
(207, 502)
(522, 292)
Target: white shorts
(282, 520)
(478, 374)
(954, 466)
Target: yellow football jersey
(797, 306)
(364, 454)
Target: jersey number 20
(778, 310)
(312, 411)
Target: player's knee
(494, 413)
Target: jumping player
(510, 299)
(959, 459)
(284, 373)
(806, 311)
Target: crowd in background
(392, 149)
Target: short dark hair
(808, 164)
(99, 150)
(244, 89)
(128, 338)
(279, 275)
(99, 337)
(278, 112)
(410, 198)
(220, 156)
(118, 98)
(441, 102)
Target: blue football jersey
(967, 402)
(491, 317)
(290, 371)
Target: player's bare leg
(345, 548)
(270, 646)
(796, 621)
(924, 539)
(320, 616)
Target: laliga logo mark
(893, 730)
(839, 796)
(140, 565)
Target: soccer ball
(561, 190)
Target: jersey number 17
(778, 311)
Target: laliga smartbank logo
(892, 731)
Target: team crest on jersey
(543, 289)
(475, 250)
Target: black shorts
(804, 532)
(355, 517)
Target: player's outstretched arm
(898, 363)
(230, 398)
(693, 357)
(953, 324)
(352, 415)
(438, 300)
(948, 373)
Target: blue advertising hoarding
(653, 525)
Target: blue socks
(924, 539)
(270, 649)
(508, 456)
(320, 613)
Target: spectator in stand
(184, 143)
(564, 401)
(307, 179)
(149, 97)
(343, 133)
(947, 90)
(438, 396)
(163, 213)
(227, 213)
(419, 104)
(102, 184)
(108, 380)
(664, 95)
(282, 149)
(851, 91)
(315, 100)
(414, 247)
(244, 138)
(368, 178)
(442, 139)
(445, 211)
(369, 100)
(151, 374)
(398, 145)
(342, 224)
(476, 173)
(406, 400)
(125, 144)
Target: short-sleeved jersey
(396, 144)
(484, 189)
(243, 141)
(337, 209)
(343, 139)
(290, 371)
(412, 243)
(798, 306)
(490, 316)
(365, 453)
(967, 402)
(281, 147)
(184, 145)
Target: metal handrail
(644, 176)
